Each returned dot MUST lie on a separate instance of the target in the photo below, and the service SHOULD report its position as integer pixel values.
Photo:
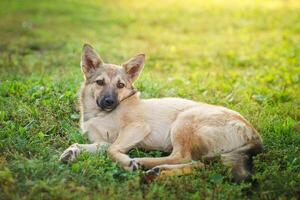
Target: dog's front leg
(127, 139)
(75, 149)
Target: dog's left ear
(134, 66)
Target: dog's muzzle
(107, 103)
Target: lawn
(241, 54)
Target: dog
(113, 117)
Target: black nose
(107, 102)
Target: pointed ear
(134, 66)
(90, 60)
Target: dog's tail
(240, 160)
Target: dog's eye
(100, 82)
(120, 85)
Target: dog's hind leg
(74, 150)
(162, 171)
(174, 158)
(187, 145)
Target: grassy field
(241, 54)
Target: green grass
(241, 54)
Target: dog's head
(109, 84)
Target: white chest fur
(101, 129)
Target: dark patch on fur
(240, 160)
(150, 176)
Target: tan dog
(114, 116)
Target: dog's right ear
(134, 66)
(90, 60)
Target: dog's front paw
(70, 153)
(133, 166)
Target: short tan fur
(113, 116)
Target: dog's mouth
(108, 108)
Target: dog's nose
(108, 101)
